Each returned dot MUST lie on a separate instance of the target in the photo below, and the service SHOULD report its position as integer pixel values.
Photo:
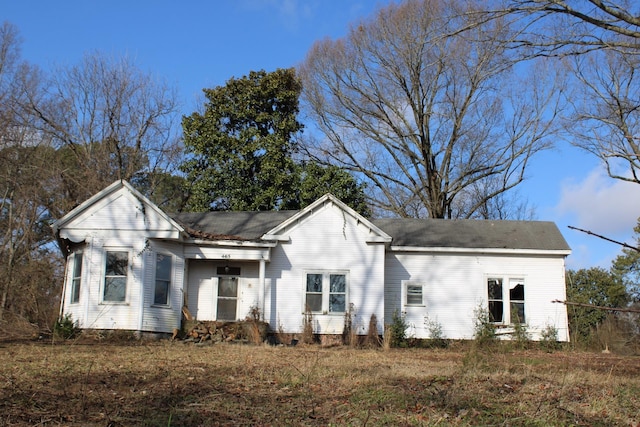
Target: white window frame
(103, 285)
(76, 281)
(326, 291)
(168, 280)
(508, 283)
(406, 284)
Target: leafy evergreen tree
(241, 150)
(594, 286)
(241, 146)
(627, 267)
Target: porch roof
(226, 225)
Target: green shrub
(521, 336)
(549, 338)
(66, 328)
(398, 330)
(484, 332)
(436, 335)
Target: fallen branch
(598, 307)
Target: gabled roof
(104, 194)
(400, 232)
(474, 234)
(279, 232)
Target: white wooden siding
(455, 285)
(327, 240)
(120, 222)
(157, 318)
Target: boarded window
(115, 278)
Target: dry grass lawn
(176, 384)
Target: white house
(132, 266)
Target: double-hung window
(326, 292)
(76, 278)
(413, 293)
(115, 276)
(506, 305)
(496, 303)
(163, 280)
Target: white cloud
(601, 204)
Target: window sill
(113, 303)
(165, 306)
(415, 305)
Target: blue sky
(198, 44)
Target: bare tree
(108, 120)
(424, 102)
(599, 41)
(560, 27)
(27, 274)
(606, 111)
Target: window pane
(75, 290)
(495, 288)
(77, 265)
(227, 309)
(77, 277)
(517, 312)
(337, 303)
(314, 282)
(414, 294)
(314, 302)
(161, 294)
(117, 263)
(163, 267)
(338, 283)
(115, 288)
(517, 293)
(227, 287)
(495, 311)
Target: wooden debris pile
(215, 332)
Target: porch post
(261, 279)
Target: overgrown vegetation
(165, 383)
(436, 334)
(66, 327)
(549, 338)
(484, 332)
(397, 330)
(308, 336)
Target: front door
(227, 298)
